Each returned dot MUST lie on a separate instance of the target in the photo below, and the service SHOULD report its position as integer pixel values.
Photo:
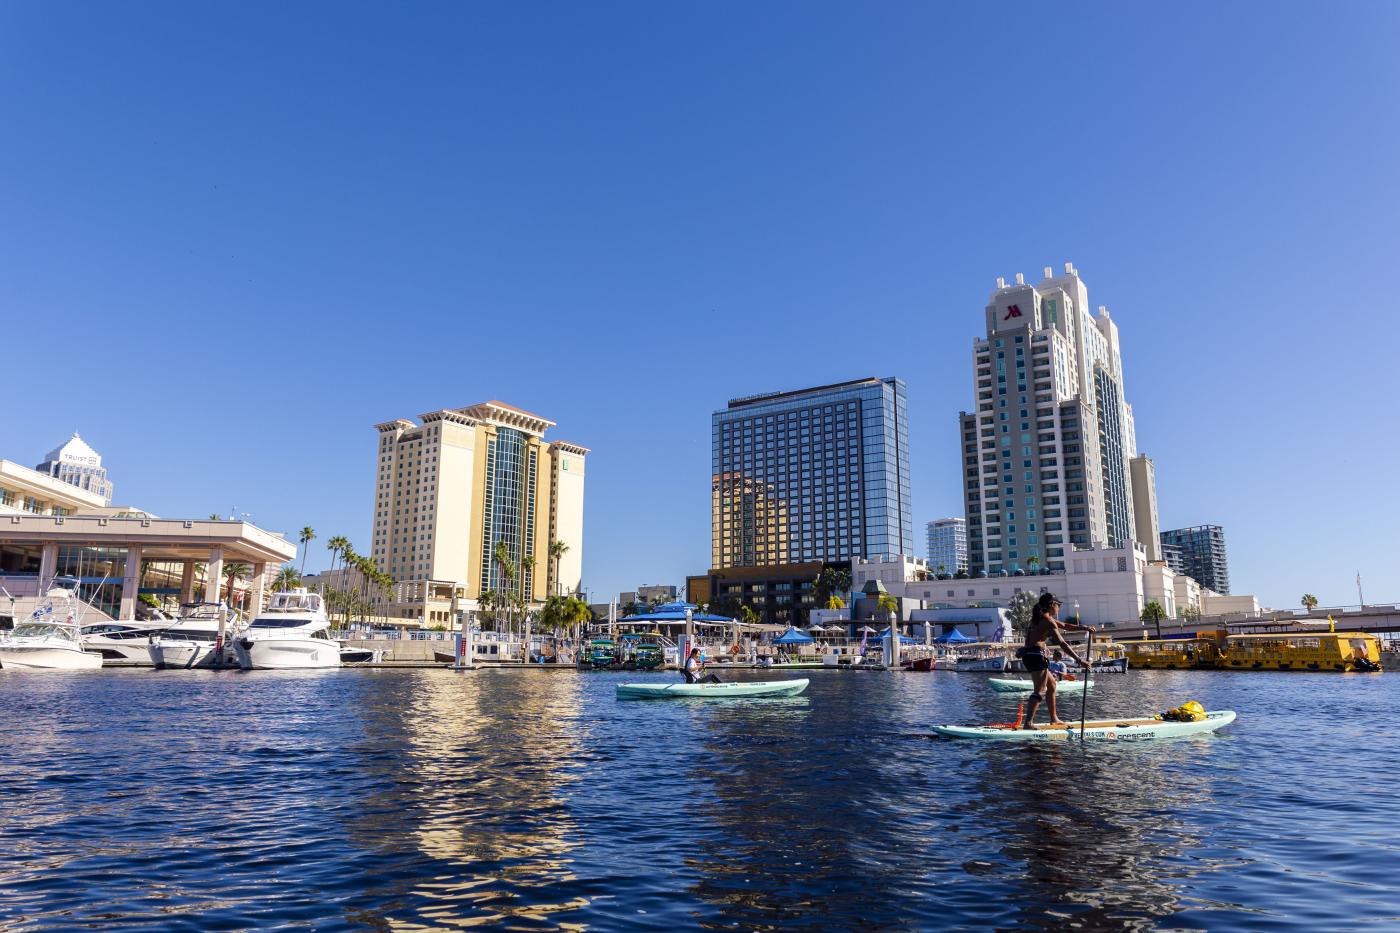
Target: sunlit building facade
(450, 489)
(812, 475)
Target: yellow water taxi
(1313, 651)
(1270, 651)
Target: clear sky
(235, 236)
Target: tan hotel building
(448, 489)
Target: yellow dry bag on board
(1186, 712)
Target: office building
(448, 490)
(811, 476)
(1047, 453)
(1143, 474)
(77, 464)
(947, 545)
(1199, 552)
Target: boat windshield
(43, 630)
(275, 622)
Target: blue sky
(235, 236)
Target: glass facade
(812, 475)
(505, 504)
(1199, 552)
(1117, 501)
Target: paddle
(1088, 675)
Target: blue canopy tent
(675, 612)
(952, 637)
(885, 635)
(793, 637)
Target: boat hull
(1101, 730)
(1008, 685)
(188, 655)
(48, 659)
(981, 665)
(286, 654)
(725, 691)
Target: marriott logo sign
(1012, 311)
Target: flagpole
(1359, 598)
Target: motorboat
(982, 657)
(292, 633)
(52, 637)
(193, 641)
(123, 643)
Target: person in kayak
(695, 670)
(1045, 626)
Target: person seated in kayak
(1059, 668)
(1045, 626)
(695, 670)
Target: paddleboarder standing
(1045, 626)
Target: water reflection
(480, 775)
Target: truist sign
(1012, 311)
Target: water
(415, 800)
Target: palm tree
(287, 579)
(557, 549)
(888, 605)
(1154, 613)
(833, 602)
(748, 615)
(1033, 562)
(337, 546)
(308, 535)
(1309, 602)
(235, 571)
(506, 568)
(527, 576)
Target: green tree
(308, 534)
(888, 605)
(1191, 613)
(233, 572)
(834, 602)
(1033, 562)
(726, 606)
(557, 549)
(1309, 602)
(1153, 613)
(748, 615)
(287, 579)
(831, 581)
(1020, 608)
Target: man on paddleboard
(1045, 627)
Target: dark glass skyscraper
(1199, 552)
(818, 474)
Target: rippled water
(413, 800)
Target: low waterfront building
(947, 545)
(77, 464)
(780, 594)
(1104, 585)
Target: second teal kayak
(763, 688)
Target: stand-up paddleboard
(1106, 730)
(763, 688)
(1011, 685)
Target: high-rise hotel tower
(1047, 454)
(448, 490)
(819, 474)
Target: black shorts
(1034, 662)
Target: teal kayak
(1010, 685)
(1106, 730)
(661, 691)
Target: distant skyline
(236, 238)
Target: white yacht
(292, 632)
(193, 640)
(51, 638)
(126, 643)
